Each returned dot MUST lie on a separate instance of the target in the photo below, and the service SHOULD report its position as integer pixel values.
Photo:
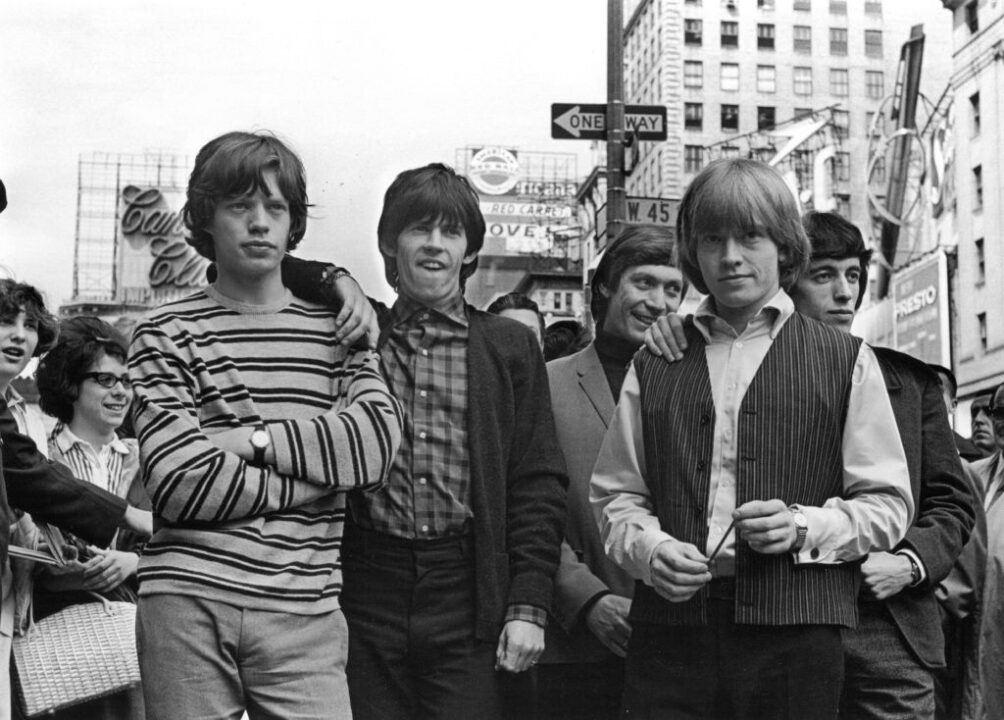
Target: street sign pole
(616, 194)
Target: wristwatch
(260, 440)
(914, 568)
(801, 527)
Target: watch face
(800, 520)
(259, 439)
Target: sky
(361, 90)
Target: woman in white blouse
(83, 382)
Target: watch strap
(259, 448)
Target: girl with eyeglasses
(84, 384)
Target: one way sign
(585, 121)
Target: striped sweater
(262, 538)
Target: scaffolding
(101, 177)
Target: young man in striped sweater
(252, 423)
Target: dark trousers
(883, 679)
(724, 671)
(412, 652)
(580, 691)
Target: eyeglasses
(108, 380)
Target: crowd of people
(326, 507)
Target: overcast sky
(361, 90)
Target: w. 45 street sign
(583, 121)
(643, 211)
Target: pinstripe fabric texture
(261, 538)
(112, 469)
(790, 434)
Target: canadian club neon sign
(148, 221)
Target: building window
(843, 204)
(842, 166)
(981, 320)
(873, 43)
(730, 152)
(765, 117)
(802, 112)
(838, 7)
(693, 158)
(765, 4)
(730, 118)
(692, 32)
(841, 124)
(974, 113)
(978, 187)
(557, 300)
(839, 83)
(838, 41)
(730, 34)
(765, 36)
(693, 74)
(875, 84)
(972, 17)
(766, 79)
(695, 3)
(693, 116)
(802, 38)
(802, 81)
(803, 5)
(730, 76)
(981, 263)
(878, 172)
(873, 7)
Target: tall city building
(974, 215)
(728, 71)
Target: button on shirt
(874, 511)
(424, 359)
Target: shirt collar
(406, 310)
(775, 312)
(14, 399)
(66, 439)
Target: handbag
(80, 653)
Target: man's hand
(108, 569)
(767, 525)
(139, 521)
(520, 646)
(679, 570)
(357, 317)
(666, 338)
(607, 620)
(886, 574)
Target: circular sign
(494, 170)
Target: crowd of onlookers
(323, 506)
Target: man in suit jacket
(889, 657)
(449, 568)
(581, 672)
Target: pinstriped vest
(789, 447)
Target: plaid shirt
(424, 359)
(428, 490)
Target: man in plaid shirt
(448, 567)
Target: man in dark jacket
(889, 657)
(449, 568)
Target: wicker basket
(83, 652)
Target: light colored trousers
(206, 660)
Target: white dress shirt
(876, 506)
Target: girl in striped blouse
(84, 384)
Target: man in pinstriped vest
(740, 485)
